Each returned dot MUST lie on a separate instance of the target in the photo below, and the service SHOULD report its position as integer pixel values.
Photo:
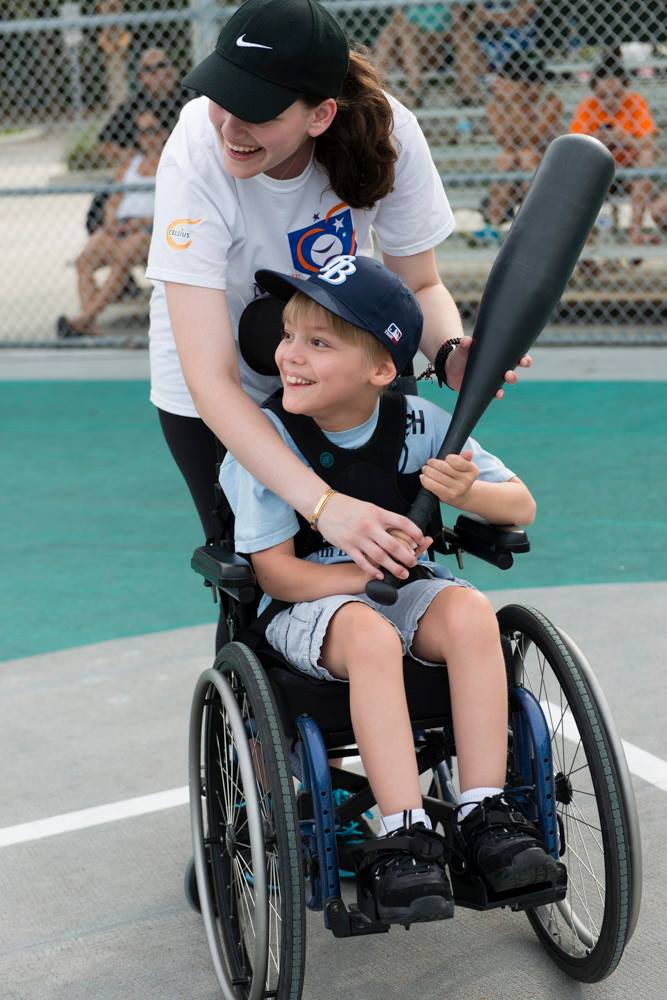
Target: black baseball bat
(524, 286)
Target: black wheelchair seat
(328, 702)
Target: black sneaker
(496, 841)
(401, 878)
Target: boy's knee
(361, 631)
(468, 612)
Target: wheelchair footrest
(472, 891)
(350, 922)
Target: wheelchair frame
(531, 765)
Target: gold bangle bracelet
(321, 504)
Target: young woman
(289, 158)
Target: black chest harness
(367, 473)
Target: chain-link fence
(88, 91)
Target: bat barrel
(524, 286)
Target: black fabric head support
(260, 330)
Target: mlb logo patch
(393, 333)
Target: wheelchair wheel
(586, 932)
(244, 828)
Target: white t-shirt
(213, 230)
(137, 204)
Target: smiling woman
(292, 156)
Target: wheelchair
(265, 852)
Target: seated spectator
(484, 36)
(414, 41)
(158, 91)
(621, 119)
(123, 240)
(524, 117)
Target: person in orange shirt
(621, 119)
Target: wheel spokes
(575, 922)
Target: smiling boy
(348, 331)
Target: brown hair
(356, 150)
(301, 307)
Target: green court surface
(97, 527)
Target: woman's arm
(454, 481)
(282, 576)
(441, 316)
(207, 351)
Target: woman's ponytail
(357, 150)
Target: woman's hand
(364, 531)
(458, 359)
(450, 479)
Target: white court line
(95, 816)
(642, 764)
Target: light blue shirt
(264, 519)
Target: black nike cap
(269, 54)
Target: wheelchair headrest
(260, 330)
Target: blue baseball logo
(314, 246)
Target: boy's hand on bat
(451, 479)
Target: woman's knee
(84, 261)
(505, 160)
(528, 159)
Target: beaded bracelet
(439, 362)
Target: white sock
(470, 798)
(406, 818)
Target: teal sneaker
(350, 836)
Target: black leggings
(195, 450)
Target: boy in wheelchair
(348, 332)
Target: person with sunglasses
(122, 241)
(158, 90)
(292, 155)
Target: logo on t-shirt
(179, 233)
(316, 244)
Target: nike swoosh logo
(242, 44)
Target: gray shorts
(298, 633)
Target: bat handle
(385, 591)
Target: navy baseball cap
(363, 292)
(269, 54)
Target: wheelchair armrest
(225, 570)
(494, 543)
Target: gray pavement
(99, 912)
(579, 364)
